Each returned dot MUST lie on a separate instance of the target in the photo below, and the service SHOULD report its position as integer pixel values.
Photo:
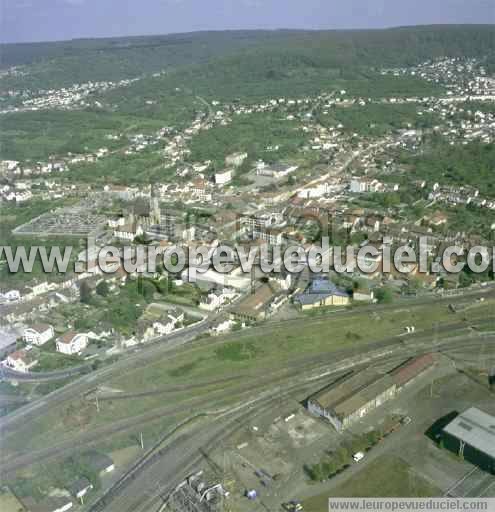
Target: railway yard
(244, 424)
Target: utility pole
(141, 439)
(253, 279)
(97, 402)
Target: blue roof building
(321, 293)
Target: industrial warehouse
(355, 395)
(472, 436)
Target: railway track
(308, 371)
(173, 347)
(146, 502)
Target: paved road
(11, 375)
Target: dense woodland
(257, 54)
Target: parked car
(358, 456)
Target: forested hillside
(274, 54)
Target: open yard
(387, 476)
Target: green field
(38, 135)
(387, 476)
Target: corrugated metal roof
(412, 368)
(476, 428)
(353, 392)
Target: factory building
(472, 436)
(349, 399)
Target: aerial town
(142, 387)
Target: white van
(358, 456)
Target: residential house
(11, 295)
(80, 487)
(157, 320)
(199, 190)
(72, 343)
(235, 159)
(363, 295)
(216, 298)
(99, 462)
(275, 170)
(223, 177)
(38, 334)
(21, 360)
(221, 327)
(48, 504)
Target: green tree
(146, 288)
(85, 293)
(102, 289)
(384, 296)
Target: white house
(80, 487)
(274, 170)
(38, 334)
(163, 324)
(49, 504)
(128, 232)
(211, 302)
(12, 295)
(224, 177)
(40, 288)
(121, 192)
(216, 299)
(222, 327)
(358, 185)
(72, 343)
(236, 159)
(21, 361)
(176, 315)
(116, 222)
(23, 195)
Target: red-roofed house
(72, 343)
(21, 361)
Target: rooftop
(353, 392)
(254, 303)
(318, 290)
(68, 337)
(476, 428)
(40, 328)
(412, 368)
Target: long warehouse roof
(476, 428)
